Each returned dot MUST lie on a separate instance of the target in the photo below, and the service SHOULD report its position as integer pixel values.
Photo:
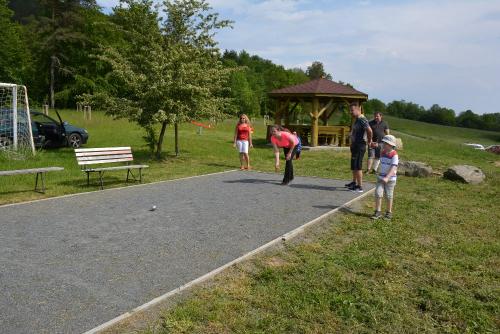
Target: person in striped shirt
(386, 179)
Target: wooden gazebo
(326, 97)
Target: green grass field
(433, 269)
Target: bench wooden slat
(97, 153)
(105, 157)
(115, 168)
(92, 162)
(79, 150)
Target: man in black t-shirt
(361, 135)
(380, 129)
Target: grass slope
(432, 269)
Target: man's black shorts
(357, 153)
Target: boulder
(414, 168)
(464, 173)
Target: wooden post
(287, 113)
(314, 122)
(46, 109)
(277, 115)
(87, 113)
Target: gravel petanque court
(70, 264)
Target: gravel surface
(69, 264)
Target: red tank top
(243, 131)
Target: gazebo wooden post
(287, 112)
(277, 114)
(314, 122)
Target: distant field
(433, 269)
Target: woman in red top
(243, 140)
(282, 138)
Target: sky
(444, 52)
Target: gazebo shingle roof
(319, 86)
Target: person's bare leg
(376, 163)
(369, 165)
(389, 205)
(247, 159)
(358, 174)
(242, 160)
(378, 204)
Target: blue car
(47, 132)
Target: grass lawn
(434, 268)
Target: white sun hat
(390, 139)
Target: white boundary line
(286, 236)
(118, 188)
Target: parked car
(476, 146)
(47, 132)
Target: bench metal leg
(42, 181)
(129, 172)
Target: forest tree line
(56, 48)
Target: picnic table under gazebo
(323, 98)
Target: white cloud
(443, 51)
(424, 51)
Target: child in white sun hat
(386, 180)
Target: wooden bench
(38, 171)
(86, 157)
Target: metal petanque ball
(153, 208)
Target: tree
(468, 119)
(491, 121)
(15, 59)
(403, 109)
(245, 98)
(373, 105)
(260, 76)
(438, 115)
(170, 71)
(58, 35)
(316, 71)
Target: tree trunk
(52, 81)
(176, 128)
(160, 140)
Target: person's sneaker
(388, 215)
(376, 215)
(350, 184)
(356, 189)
